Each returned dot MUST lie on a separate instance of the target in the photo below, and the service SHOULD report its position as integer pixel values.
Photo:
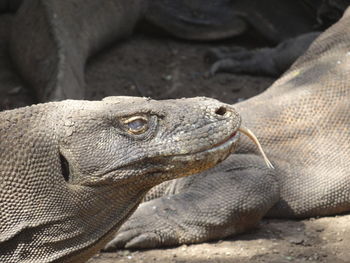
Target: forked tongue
(251, 136)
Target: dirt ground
(146, 65)
(274, 241)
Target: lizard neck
(101, 211)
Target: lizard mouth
(233, 138)
(208, 157)
(230, 141)
(227, 146)
(181, 164)
(188, 163)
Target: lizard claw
(224, 65)
(145, 229)
(225, 59)
(133, 240)
(147, 240)
(118, 241)
(216, 54)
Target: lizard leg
(264, 61)
(224, 201)
(51, 41)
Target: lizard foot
(208, 206)
(147, 228)
(264, 61)
(240, 60)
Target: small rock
(289, 258)
(183, 247)
(125, 253)
(319, 229)
(167, 77)
(296, 240)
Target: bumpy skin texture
(51, 40)
(72, 172)
(303, 123)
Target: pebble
(296, 240)
(319, 229)
(183, 247)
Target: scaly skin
(303, 123)
(72, 172)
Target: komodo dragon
(303, 122)
(52, 39)
(72, 172)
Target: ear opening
(65, 168)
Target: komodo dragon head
(73, 171)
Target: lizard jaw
(208, 158)
(182, 164)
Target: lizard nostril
(221, 111)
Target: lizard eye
(136, 124)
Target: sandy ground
(274, 241)
(167, 68)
